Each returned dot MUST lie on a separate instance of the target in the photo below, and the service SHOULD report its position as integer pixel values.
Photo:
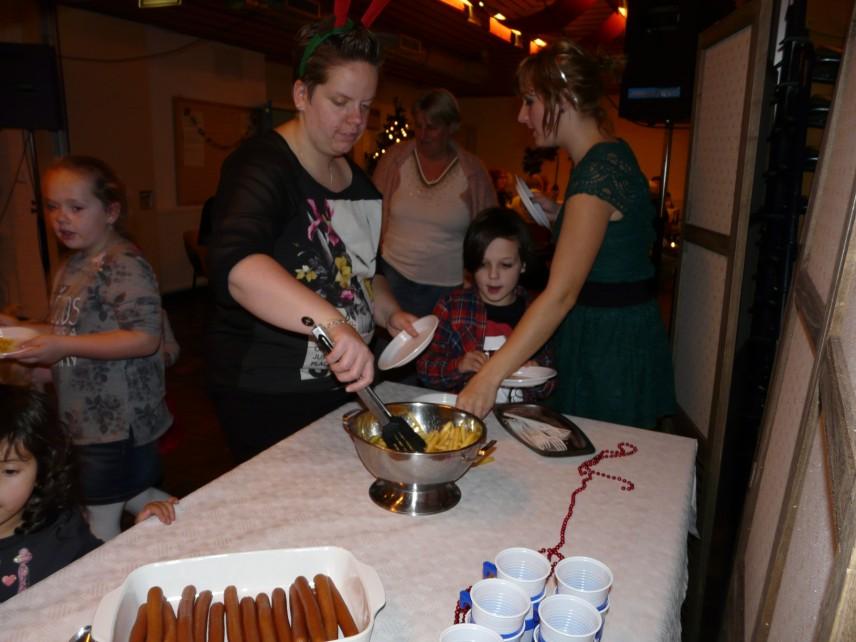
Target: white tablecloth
(312, 490)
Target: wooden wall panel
(717, 140)
(697, 327)
(831, 205)
(794, 369)
(810, 557)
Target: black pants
(252, 421)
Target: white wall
(122, 112)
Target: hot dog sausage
(298, 619)
(233, 614)
(185, 614)
(248, 619)
(200, 615)
(280, 615)
(325, 603)
(138, 632)
(154, 615)
(343, 615)
(215, 623)
(264, 615)
(170, 631)
(314, 624)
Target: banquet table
(312, 490)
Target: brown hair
(355, 44)
(439, 107)
(106, 185)
(562, 70)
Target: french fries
(449, 437)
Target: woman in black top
(296, 230)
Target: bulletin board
(205, 133)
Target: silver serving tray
(543, 430)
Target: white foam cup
(499, 605)
(524, 567)
(469, 632)
(567, 618)
(584, 577)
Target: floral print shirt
(268, 204)
(103, 400)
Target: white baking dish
(252, 573)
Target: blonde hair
(106, 186)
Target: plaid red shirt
(462, 329)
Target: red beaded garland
(587, 473)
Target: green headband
(317, 40)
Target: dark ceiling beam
(552, 19)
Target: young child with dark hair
(475, 320)
(42, 528)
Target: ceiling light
(499, 16)
(151, 4)
(540, 42)
(623, 11)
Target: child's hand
(472, 361)
(8, 319)
(164, 510)
(44, 350)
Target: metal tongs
(396, 432)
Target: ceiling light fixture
(460, 5)
(499, 17)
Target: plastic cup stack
(501, 606)
(566, 618)
(529, 570)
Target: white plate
(18, 334)
(444, 398)
(534, 209)
(403, 348)
(450, 399)
(529, 377)
(252, 573)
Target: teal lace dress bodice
(614, 362)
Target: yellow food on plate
(7, 345)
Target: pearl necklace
(431, 183)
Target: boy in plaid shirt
(475, 320)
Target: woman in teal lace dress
(599, 305)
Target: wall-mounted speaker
(660, 47)
(29, 87)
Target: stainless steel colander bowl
(415, 483)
